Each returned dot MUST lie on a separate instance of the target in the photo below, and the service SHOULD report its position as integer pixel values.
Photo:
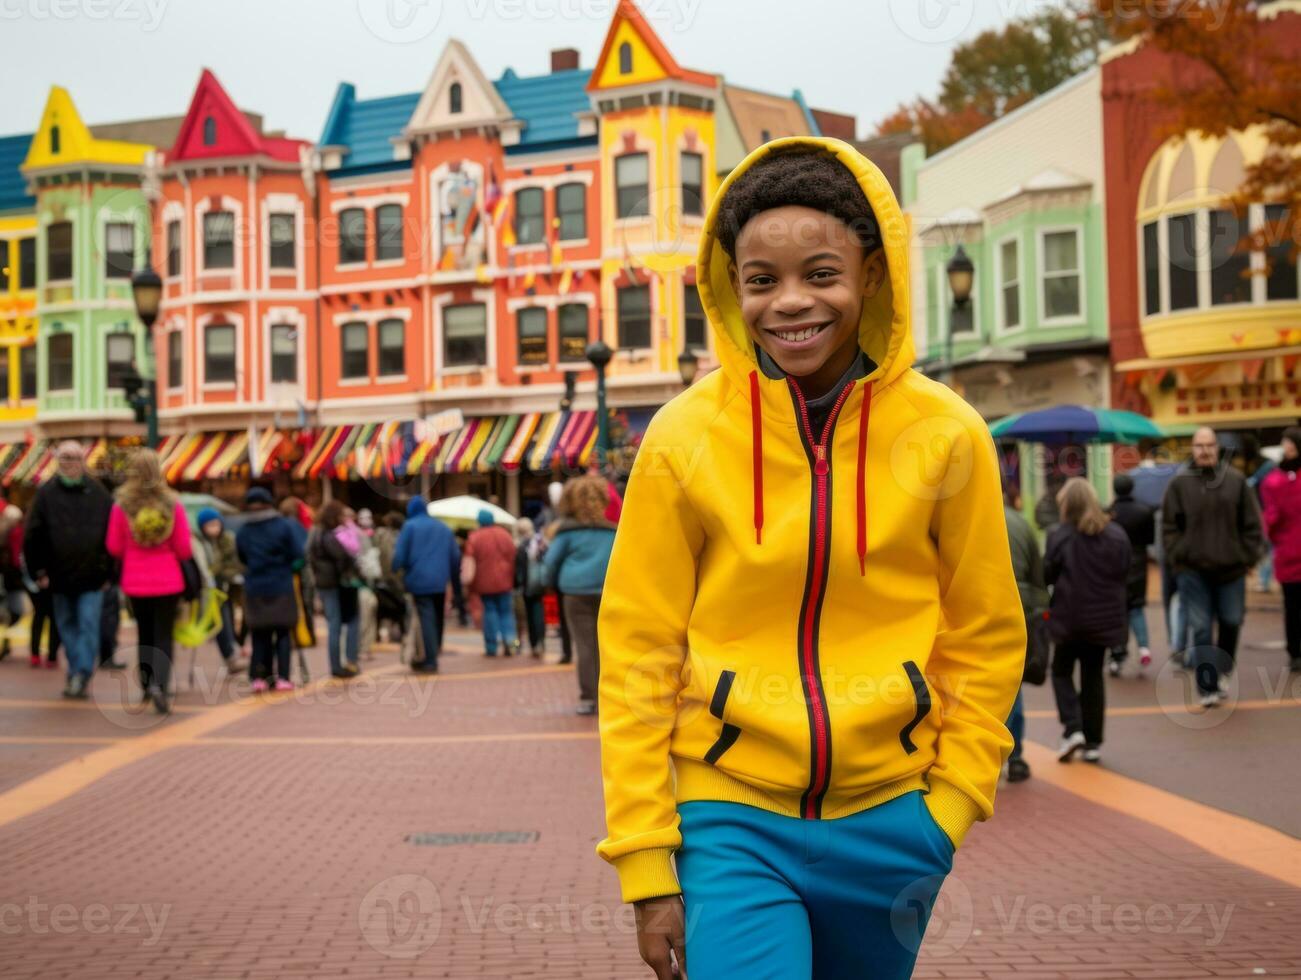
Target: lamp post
(142, 393)
(687, 366)
(567, 399)
(599, 354)
(960, 271)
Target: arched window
(209, 131)
(454, 98)
(625, 58)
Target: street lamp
(142, 393)
(567, 399)
(687, 366)
(599, 354)
(960, 272)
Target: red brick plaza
(396, 827)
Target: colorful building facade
(17, 292)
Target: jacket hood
(885, 326)
(417, 507)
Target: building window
(529, 218)
(4, 377)
(1229, 264)
(284, 353)
(573, 332)
(465, 335)
(173, 248)
(693, 319)
(571, 209)
(219, 240)
(634, 317)
(119, 250)
(27, 372)
(1151, 269)
(54, 140)
(388, 232)
(1061, 274)
(531, 327)
(693, 183)
(59, 375)
(219, 353)
(120, 358)
(352, 236)
(354, 339)
(27, 263)
(454, 98)
(625, 58)
(175, 359)
(392, 348)
(632, 185)
(6, 266)
(1181, 261)
(209, 131)
(58, 251)
(280, 228)
(1009, 286)
(1280, 282)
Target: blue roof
(365, 128)
(13, 187)
(547, 104)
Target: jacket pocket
(922, 698)
(730, 733)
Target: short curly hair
(801, 177)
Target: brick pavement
(281, 844)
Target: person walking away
(11, 572)
(394, 608)
(492, 577)
(43, 625)
(270, 547)
(531, 580)
(1028, 567)
(1086, 562)
(335, 570)
(361, 546)
(1212, 532)
(217, 548)
(428, 559)
(110, 618)
(576, 562)
(1281, 493)
(65, 553)
(1138, 521)
(149, 533)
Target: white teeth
(795, 336)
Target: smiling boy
(810, 630)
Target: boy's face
(801, 278)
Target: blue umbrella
(1076, 423)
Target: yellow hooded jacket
(811, 623)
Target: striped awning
(96, 453)
(574, 440)
(425, 450)
(167, 445)
(23, 460)
(175, 465)
(271, 446)
(539, 459)
(198, 464)
(232, 454)
(496, 448)
(513, 454)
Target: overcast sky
(126, 59)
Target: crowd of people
(1215, 524)
(80, 551)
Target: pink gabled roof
(236, 137)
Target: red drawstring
(756, 429)
(864, 417)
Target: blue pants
(1138, 625)
(771, 896)
(1016, 725)
(498, 621)
(1205, 603)
(335, 627)
(429, 610)
(78, 619)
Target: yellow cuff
(952, 809)
(647, 874)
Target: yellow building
(17, 293)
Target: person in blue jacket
(575, 562)
(271, 550)
(427, 557)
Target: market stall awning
(513, 454)
(232, 454)
(539, 458)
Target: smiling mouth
(799, 333)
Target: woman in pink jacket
(150, 534)
(1280, 496)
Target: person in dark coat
(337, 577)
(1087, 560)
(1138, 521)
(65, 553)
(1211, 527)
(271, 549)
(428, 559)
